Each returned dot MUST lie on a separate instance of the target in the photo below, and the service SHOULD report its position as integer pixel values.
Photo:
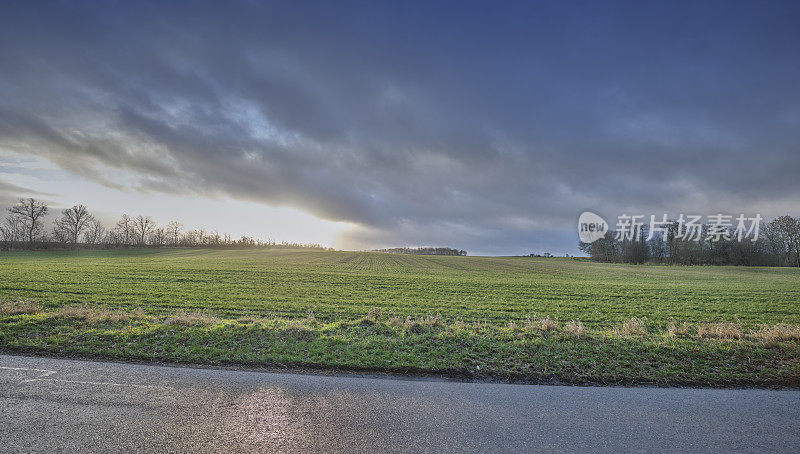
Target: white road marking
(44, 373)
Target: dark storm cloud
(480, 126)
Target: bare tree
(30, 212)
(142, 226)
(158, 237)
(94, 232)
(123, 230)
(74, 221)
(190, 238)
(12, 229)
(60, 234)
(174, 232)
(215, 238)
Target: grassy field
(523, 318)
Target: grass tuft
(375, 314)
(772, 335)
(675, 330)
(413, 325)
(575, 328)
(99, 314)
(434, 321)
(720, 330)
(19, 307)
(546, 324)
(196, 318)
(299, 330)
(633, 327)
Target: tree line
(777, 245)
(423, 251)
(24, 228)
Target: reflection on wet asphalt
(51, 405)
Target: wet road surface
(53, 405)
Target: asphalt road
(53, 405)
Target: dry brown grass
(517, 329)
(138, 314)
(19, 307)
(546, 324)
(196, 318)
(375, 313)
(772, 335)
(675, 330)
(99, 314)
(434, 321)
(575, 328)
(413, 325)
(310, 319)
(419, 325)
(720, 330)
(633, 327)
(307, 327)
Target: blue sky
(483, 126)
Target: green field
(408, 313)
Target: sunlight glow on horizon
(225, 215)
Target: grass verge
(537, 350)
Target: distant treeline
(778, 244)
(77, 228)
(423, 251)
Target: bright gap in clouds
(62, 189)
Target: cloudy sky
(484, 126)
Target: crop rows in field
(346, 285)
